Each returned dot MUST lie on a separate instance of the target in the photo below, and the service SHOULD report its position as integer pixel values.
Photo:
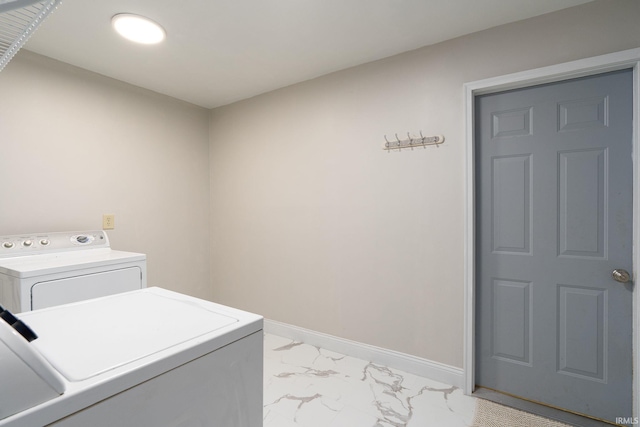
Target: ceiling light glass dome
(138, 28)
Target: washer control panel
(32, 244)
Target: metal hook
(388, 144)
(410, 140)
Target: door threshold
(538, 409)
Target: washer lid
(92, 337)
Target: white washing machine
(48, 269)
(146, 358)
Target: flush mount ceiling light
(138, 28)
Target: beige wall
(314, 225)
(75, 145)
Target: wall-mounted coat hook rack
(412, 142)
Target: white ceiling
(221, 51)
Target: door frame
(555, 73)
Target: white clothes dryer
(48, 269)
(146, 358)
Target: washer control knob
(82, 239)
(27, 243)
(7, 245)
(44, 242)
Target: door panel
(585, 357)
(512, 321)
(511, 204)
(582, 213)
(554, 218)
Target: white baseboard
(393, 359)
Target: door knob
(620, 275)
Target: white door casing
(585, 67)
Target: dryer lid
(63, 262)
(89, 338)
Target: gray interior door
(554, 219)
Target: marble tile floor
(307, 386)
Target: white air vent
(18, 20)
